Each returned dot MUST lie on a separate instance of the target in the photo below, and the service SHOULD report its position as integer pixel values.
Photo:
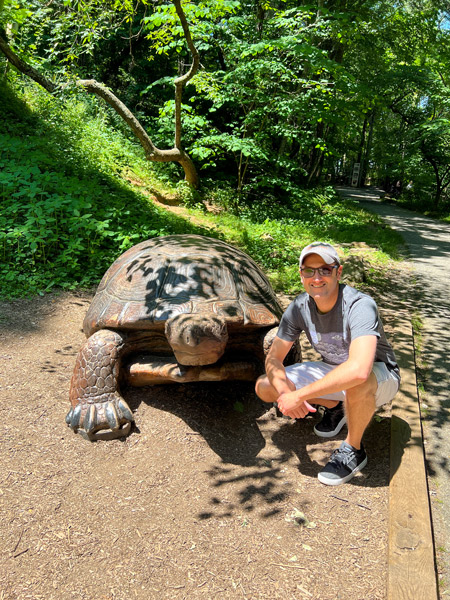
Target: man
(359, 371)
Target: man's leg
(351, 456)
(360, 408)
(266, 392)
(298, 376)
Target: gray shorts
(302, 374)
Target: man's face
(323, 289)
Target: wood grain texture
(411, 565)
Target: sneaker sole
(328, 481)
(328, 434)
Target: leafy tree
(88, 37)
(267, 94)
(399, 64)
(285, 94)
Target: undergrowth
(69, 203)
(66, 212)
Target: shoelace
(347, 455)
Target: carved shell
(165, 276)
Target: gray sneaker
(343, 464)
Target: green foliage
(12, 11)
(60, 32)
(165, 33)
(400, 78)
(274, 234)
(66, 211)
(284, 91)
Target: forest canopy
(285, 93)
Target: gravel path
(428, 242)
(211, 496)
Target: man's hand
(291, 406)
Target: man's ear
(339, 272)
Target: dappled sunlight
(166, 276)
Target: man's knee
(263, 388)
(364, 391)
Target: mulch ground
(210, 496)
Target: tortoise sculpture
(172, 309)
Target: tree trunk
(367, 150)
(260, 14)
(440, 185)
(362, 142)
(437, 195)
(316, 156)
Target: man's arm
(275, 371)
(279, 382)
(354, 371)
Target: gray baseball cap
(324, 250)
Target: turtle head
(197, 339)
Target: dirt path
(211, 496)
(428, 241)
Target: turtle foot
(106, 420)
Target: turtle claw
(90, 419)
(101, 420)
(125, 410)
(73, 417)
(69, 417)
(112, 417)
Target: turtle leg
(94, 390)
(295, 353)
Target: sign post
(355, 176)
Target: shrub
(66, 212)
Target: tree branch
(193, 50)
(94, 87)
(152, 153)
(23, 67)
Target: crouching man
(358, 371)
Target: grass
(421, 365)
(423, 202)
(276, 242)
(76, 191)
(417, 325)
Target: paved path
(428, 242)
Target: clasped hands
(291, 406)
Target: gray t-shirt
(355, 314)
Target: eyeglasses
(309, 272)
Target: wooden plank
(411, 565)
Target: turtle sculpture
(172, 309)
